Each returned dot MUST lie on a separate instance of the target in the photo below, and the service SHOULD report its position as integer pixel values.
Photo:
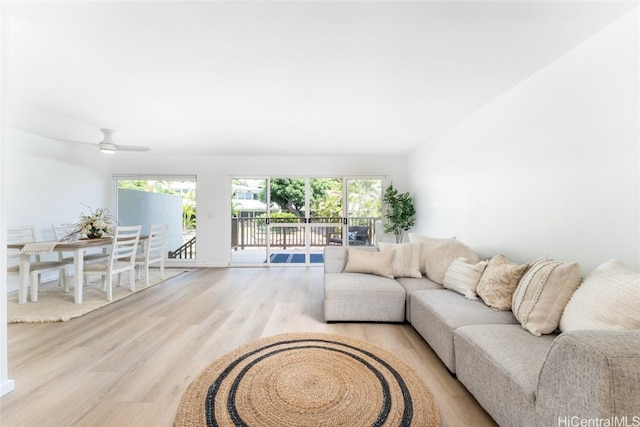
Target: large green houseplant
(400, 213)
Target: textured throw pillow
(609, 298)
(463, 277)
(542, 294)
(378, 263)
(427, 243)
(498, 282)
(442, 255)
(406, 262)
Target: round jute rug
(308, 380)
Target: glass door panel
(326, 215)
(364, 204)
(248, 221)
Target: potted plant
(400, 213)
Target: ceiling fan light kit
(107, 145)
(107, 148)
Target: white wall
(551, 167)
(48, 182)
(6, 384)
(213, 184)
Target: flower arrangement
(96, 224)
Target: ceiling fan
(108, 146)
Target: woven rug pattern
(55, 305)
(308, 380)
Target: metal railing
(252, 232)
(186, 251)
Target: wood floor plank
(128, 364)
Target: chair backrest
(21, 234)
(362, 233)
(125, 244)
(25, 234)
(61, 231)
(157, 242)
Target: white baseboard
(7, 386)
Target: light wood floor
(128, 364)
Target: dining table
(77, 247)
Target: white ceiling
(277, 77)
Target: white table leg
(78, 274)
(25, 267)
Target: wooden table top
(75, 244)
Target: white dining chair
(122, 258)
(65, 231)
(154, 250)
(23, 235)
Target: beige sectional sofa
(520, 379)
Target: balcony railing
(252, 232)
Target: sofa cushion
(442, 255)
(500, 366)
(499, 281)
(406, 262)
(362, 297)
(427, 243)
(463, 277)
(542, 294)
(436, 314)
(609, 298)
(378, 263)
(412, 285)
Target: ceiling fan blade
(131, 148)
(71, 141)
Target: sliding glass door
(290, 220)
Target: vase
(96, 234)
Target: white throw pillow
(378, 263)
(463, 277)
(542, 294)
(406, 262)
(427, 243)
(609, 298)
(442, 255)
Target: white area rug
(54, 305)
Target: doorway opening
(147, 200)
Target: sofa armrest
(335, 259)
(590, 374)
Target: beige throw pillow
(406, 262)
(609, 298)
(378, 263)
(463, 277)
(498, 282)
(427, 243)
(442, 255)
(542, 294)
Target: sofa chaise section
(500, 365)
